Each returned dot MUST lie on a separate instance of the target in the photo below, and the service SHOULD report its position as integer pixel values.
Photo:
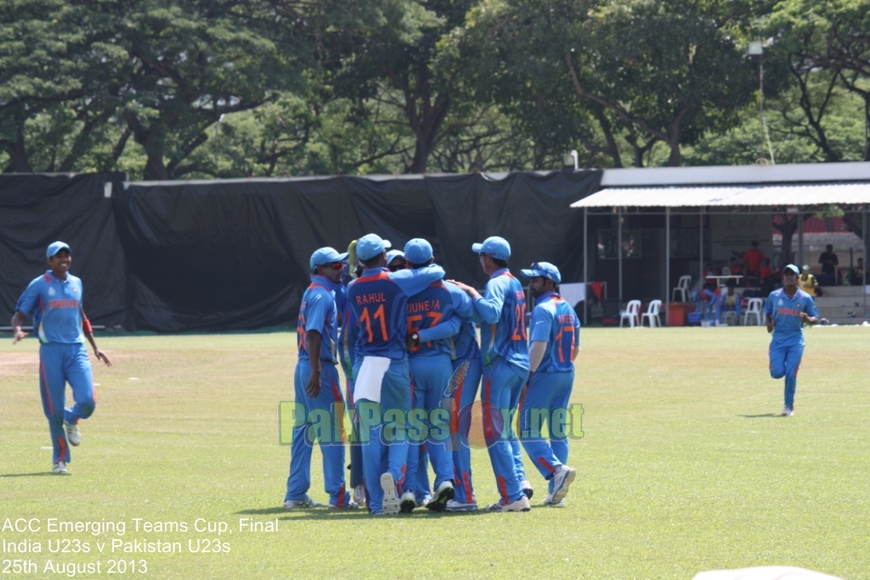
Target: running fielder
(786, 311)
(55, 301)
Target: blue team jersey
(378, 308)
(378, 302)
(442, 304)
(503, 310)
(317, 312)
(556, 323)
(465, 343)
(786, 314)
(347, 334)
(55, 306)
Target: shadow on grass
(37, 474)
(764, 416)
(361, 513)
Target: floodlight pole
(585, 269)
(619, 249)
(668, 263)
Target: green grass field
(684, 467)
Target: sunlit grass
(684, 466)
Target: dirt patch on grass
(17, 364)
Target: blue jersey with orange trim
(378, 301)
(439, 304)
(55, 306)
(317, 312)
(465, 344)
(556, 323)
(503, 311)
(786, 314)
(379, 310)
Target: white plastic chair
(631, 313)
(683, 288)
(652, 312)
(753, 309)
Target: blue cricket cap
(793, 268)
(55, 247)
(418, 251)
(543, 269)
(370, 245)
(325, 255)
(497, 247)
(393, 254)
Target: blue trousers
(383, 431)
(502, 385)
(430, 376)
(720, 306)
(785, 361)
(545, 402)
(324, 422)
(60, 364)
(464, 397)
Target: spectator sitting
(753, 258)
(736, 268)
(705, 298)
(730, 299)
(768, 278)
(808, 283)
(829, 263)
(858, 276)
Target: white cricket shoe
(521, 505)
(562, 481)
(73, 435)
(60, 468)
(527, 488)
(443, 494)
(304, 503)
(455, 506)
(351, 505)
(786, 412)
(359, 494)
(549, 501)
(408, 502)
(391, 498)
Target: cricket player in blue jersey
(382, 382)
(55, 302)
(505, 355)
(786, 311)
(554, 336)
(433, 318)
(317, 387)
(465, 349)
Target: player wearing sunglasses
(317, 385)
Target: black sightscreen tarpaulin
(36, 210)
(530, 210)
(233, 255)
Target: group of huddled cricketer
(408, 346)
